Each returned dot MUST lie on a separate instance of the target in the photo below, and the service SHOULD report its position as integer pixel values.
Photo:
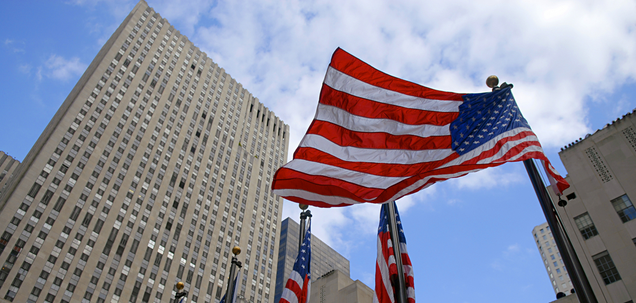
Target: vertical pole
(303, 224)
(179, 296)
(229, 293)
(575, 270)
(400, 291)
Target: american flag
(376, 138)
(298, 286)
(237, 280)
(385, 266)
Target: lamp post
(229, 294)
(181, 295)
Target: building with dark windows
(323, 258)
(600, 217)
(153, 168)
(552, 260)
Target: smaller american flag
(237, 280)
(385, 268)
(298, 286)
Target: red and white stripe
(295, 290)
(385, 267)
(376, 138)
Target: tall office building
(154, 167)
(600, 216)
(324, 259)
(7, 167)
(552, 259)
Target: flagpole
(572, 264)
(400, 292)
(575, 270)
(304, 214)
(229, 294)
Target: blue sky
(573, 64)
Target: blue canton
(384, 223)
(303, 262)
(483, 117)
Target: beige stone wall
(336, 286)
(153, 168)
(8, 165)
(600, 168)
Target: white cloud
(487, 178)
(555, 53)
(56, 67)
(509, 257)
(25, 68)
(11, 44)
(327, 225)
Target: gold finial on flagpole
(492, 81)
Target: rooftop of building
(608, 125)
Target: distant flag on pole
(385, 268)
(376, 138)
(298, 286)
(236, 288)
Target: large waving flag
(298, 286)
(385, 267)
(376, 138)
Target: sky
(573, 64)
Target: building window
(586, 226)
(606, 268)
(624, 208)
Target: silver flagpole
(400, 293)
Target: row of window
(626, 212)
(624, 208)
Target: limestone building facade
(551, 258)
(7, 166)
(153, 168)
(336, 286)
(600, 217)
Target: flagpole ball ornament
(180, 286)
(492, 81)
(303, 206)
(236, 250)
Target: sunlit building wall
(600, 218)
(153, 168)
